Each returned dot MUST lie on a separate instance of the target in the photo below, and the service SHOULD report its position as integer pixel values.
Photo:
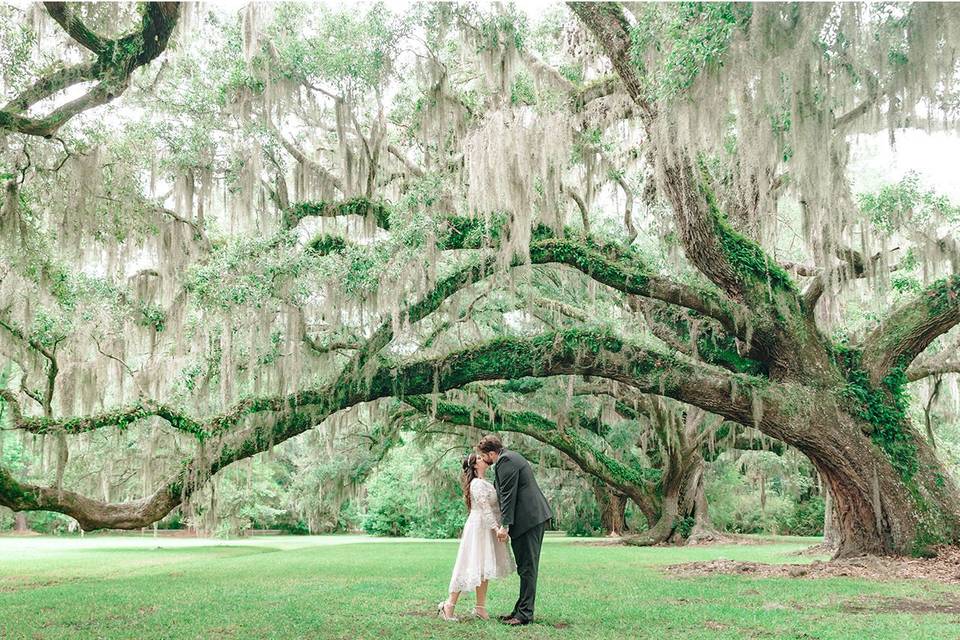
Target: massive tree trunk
(899, 500)
(694, 508)
(678, 491)
(613, 506)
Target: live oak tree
(815, 72)
(299, 214)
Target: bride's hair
(469, 473)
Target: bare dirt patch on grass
(944, 568)
(902, 605)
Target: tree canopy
(223, 230)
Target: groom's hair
(489, 443)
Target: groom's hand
(502, 534)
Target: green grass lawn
(348, 587)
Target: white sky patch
(932, 155)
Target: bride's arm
(481, 497)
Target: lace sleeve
(481, 493)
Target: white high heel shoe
(481, 612)
(442, 612)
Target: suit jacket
(522, 503)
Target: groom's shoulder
(508, 455)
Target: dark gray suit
(525, 511)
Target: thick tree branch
(116, 60)
(378, 212)
(946, 361)
(608, 264)
(854, 266)
(591, 458)
(736, 264)
(910, 328)
(302, 158)
(120, 418)
(612, 29)
(66, 17)
(571, 352)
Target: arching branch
(115, 61)
(378, 212)
(591, 458)
(302, 158)
(608, 264)
(946, 361)
(564, 353)
(910, 328)
(736, 264)
(66, 17)
(119, 418)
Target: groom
(525, 514)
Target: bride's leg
(481, 610)
(445, 609)
(482, 595)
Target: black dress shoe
(506, 616)
(515, 622)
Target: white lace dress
(481, 556)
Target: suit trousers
(526, 551)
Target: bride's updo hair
(469, 473)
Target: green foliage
(250, 271)
(885, 409)
(352, 49)
(943, 294)
(326, 243)
(786, 508)
(684, 526)
(906, 202)
(400, 501)
(722, 350)
(522, 91)
(17, 41)
(806, 519)
(505, 28)
(254, 499)
(585, 522)
(673, 44)
(152, 316)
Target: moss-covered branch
(256, 424)
(593, 459)
(111, 69)
(739, 266)
(946, 361)
(910, 328)
(609, 264)
(377, 212)
(120, 418)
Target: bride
(481, 556)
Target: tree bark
(831, 537)
(20, 525)
(613, 506)
(695, 506)
(880, 508)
